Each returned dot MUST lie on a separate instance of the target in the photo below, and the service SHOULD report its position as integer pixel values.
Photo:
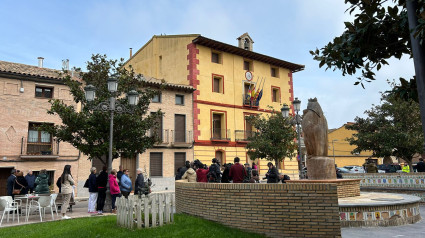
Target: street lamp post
(297, 120)
(112, 106)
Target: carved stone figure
(315, 129)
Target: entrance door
(130, 164)
(179, 128)
(4, 174)
(219, 155)
(179, 160)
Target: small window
(217, 84)
(247, 65)
(43, 92)
(274, 72)
(216, 57)
(179, 100)
(275, 95)
(157, 98)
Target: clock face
(248, 75)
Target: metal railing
(181, 136)
(33, 147)
(246, 101)
(163, 135)
(241, 135)
(220, 134)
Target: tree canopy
(380, 31)
(274, 138)
(390, 129)
(88, 129)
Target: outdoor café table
(27, 198)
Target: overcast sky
(284, 29)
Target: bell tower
(245, 42)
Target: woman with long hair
(66, 189)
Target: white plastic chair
(41, 205)
(8, 205)
(53, 202)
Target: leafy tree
(274, 138)
(379, 32)
(88, 129)
(390, 129)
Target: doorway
(4, 174)
(130, 164)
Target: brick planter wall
(345, 187)
(276, 210)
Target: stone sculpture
(315, 129)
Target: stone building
(223, 76)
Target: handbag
(86, 184)
(17, 191)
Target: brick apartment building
(24, 94)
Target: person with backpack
(214, 173)
(248, 170)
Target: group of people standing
(119, 185)
(17, 184)
(228, 173)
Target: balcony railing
(220, 134)
(49, 147)
(246, 99)
(181, 138)
(163, 136)
(241, 135)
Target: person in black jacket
(214, 173)
(272, 175)
(10, 183)
(92, 191)
(182, 170)
(102, 181)
(420, 166)
(226, 178)
(140, 182)
(21, 183)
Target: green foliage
(106, 226)
(390, 129)
(87, 129)
(379, 31)
(274, 139)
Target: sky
(284, 29)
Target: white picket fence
(152, 210)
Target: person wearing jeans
(114, 189)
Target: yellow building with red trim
(220, 104)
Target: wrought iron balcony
(163, 136)
(181, 138)
(39, 148)
(241, 135)
(246, 99)
(220, 134)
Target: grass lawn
(106, 226)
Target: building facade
(24, 100)
(225, 78)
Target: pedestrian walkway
(416, 230)
(78, 210)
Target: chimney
(40, 62)
(131, 52)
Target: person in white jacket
(190, 174)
